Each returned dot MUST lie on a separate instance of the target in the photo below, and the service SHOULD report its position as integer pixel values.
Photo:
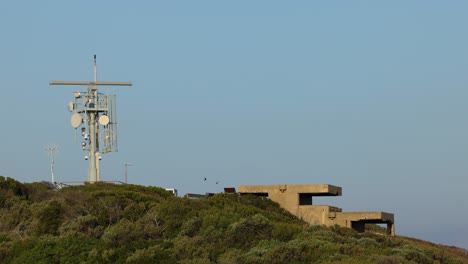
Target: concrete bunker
(299, 201)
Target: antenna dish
(76, 120)
(103, 120)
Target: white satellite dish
(76, 120)
(103, 120)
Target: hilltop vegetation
(107, 223)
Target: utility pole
(51, 151)
(96, 109)
(126, 170)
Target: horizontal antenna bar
(90, 83)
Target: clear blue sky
(368, 95)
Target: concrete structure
(198, 196)
(173, 191)
(297, 199)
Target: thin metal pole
(96, 141)
(92, 177)
(52, 165)
(51, 151)
(101, 83)
(126, 171)
(95, 69)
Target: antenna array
(95, 113)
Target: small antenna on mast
(95, 70)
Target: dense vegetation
(107, 223)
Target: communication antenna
(93, 111)
(51, 152)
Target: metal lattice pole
(51, 152)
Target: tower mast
(92, 110)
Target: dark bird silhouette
(216, 182)
(205, 178)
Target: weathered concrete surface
(317, 189)
(297, 199)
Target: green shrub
(246, 232)
(191, 227)
(47, 218)
(285, 231)
(84, 224)
(122, 233)
(5, 251)
(108, 223)
(387, 259)
(154, 254)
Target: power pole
(126, 170)
(51, 151)
(96, 109)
